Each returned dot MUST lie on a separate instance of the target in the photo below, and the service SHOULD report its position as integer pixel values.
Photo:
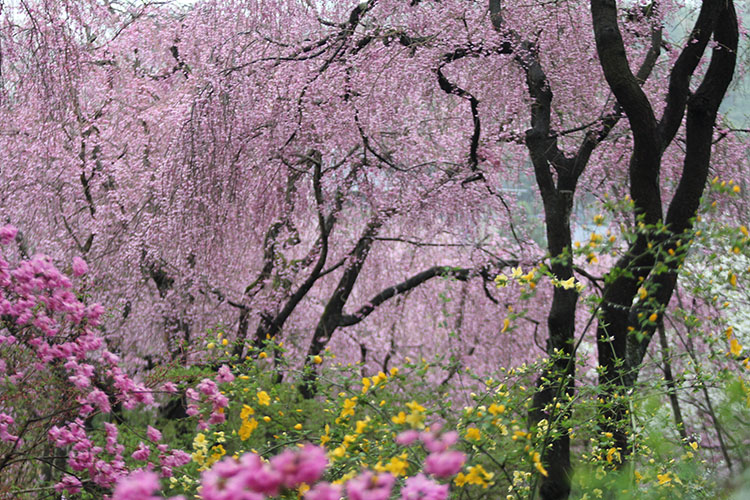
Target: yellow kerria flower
(317, 360)
(263, 398)
(414, 406)
(501, 280)
(380, 377)
(200, 441)
(568, 283)
(247, 428)
(361, 425)
(664, 478)
(477, 475)
(535, 457)
(366, 383)
(246, 412)
(735, 347)
(348, 409)
(473, 434)
(400, 418)
(496, 409)
(506, 325)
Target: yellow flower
(317, 360)
(246, 412)
(506, 325)
(210, 345)
(380, 377)
(496, 409)
(415, 419)
(366, 383)
(349, 405)
(473, 434)
(263, 355)
(694, 445)
(653, 318)
(247, 428)
(394, 371)
(568, 283)
(477, 475)
(396, 466)
(327, 436)
(361, 425)
(536, 458)
(733, 279)
(263, 398)
(224, 342)
(501, 280)
(642, 293)
(200, 441)
(414, 406)
(735, 347)
(664, 478)
(399, 419)
(516, 272)
(266, 419)
(612, 453)
(298, 427)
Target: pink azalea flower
(139, 485)
(7, 234)
(368, 486)
(420, 487)
(142, 453)
(225, 374)
(444, 464)
(153, 434)
(79, 267)
(324, 491)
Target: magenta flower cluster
(252, 478)
(54, 333)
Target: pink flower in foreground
(227, 480)
(420, 487)
(435, 443)
(260, 477)
(79, 267)
(139, 485)
(407, 437)
(302, 466)
(368, 486)
(444, 464)
(324, 491)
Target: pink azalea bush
(251, 478)
(57, 374)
